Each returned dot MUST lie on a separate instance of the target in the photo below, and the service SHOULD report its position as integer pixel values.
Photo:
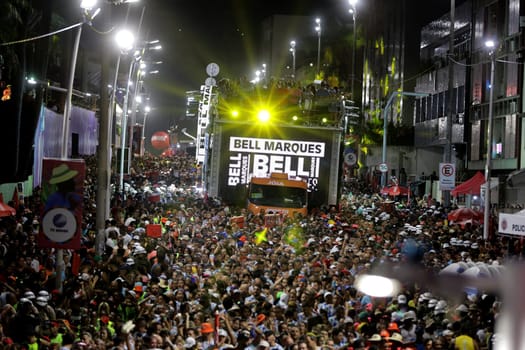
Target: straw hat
(62, 173)
(396, 337)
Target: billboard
(247, 150)
(62, 198)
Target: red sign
(63, 196)
(154, 230)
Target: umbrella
(395, 190)
(456, 268)
(478, 271)
(5, 210)
(463, 214)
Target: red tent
(471, 186)
(5, 210)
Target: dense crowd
(221, 278)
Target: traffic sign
(447, 176)
(350, 159)
(383, 167)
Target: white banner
(512, 224)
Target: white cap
(189, 342)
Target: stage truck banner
(62, 198)
(298, 152)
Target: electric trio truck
(280, 168)
(287, 163)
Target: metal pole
(292, 50)
(353, 56)
(105, 139)
(449, 141)
(385, 129)
(124, 130)
(486, 210)
(67, 109)
(143, 136)
(385, 124)
(60, 266)
(319, 50)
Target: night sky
(194, 33)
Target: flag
(260, 236)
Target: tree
(20, 20)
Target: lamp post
(385, 124)
(353, 11)
(318, 30)
(87, 6)
(147, 109)
(490, 44)
(125, 41)
(292, 50)
(124, 128)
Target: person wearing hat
(395, 341)
(65, 196)
(206, 338)
(45, 311)
(375, 342)
(408, 328)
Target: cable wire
(42, 36)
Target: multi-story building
(431, 112)
(476, 22)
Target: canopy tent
(472, 186)
(5, 210)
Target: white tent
(512, 224)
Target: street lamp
(292, 50)
(353, 11)
(125, 41)
(87, 6)
(124, 123)
(318, 30)
(490, 44)
(385, 125)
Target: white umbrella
(454, 268)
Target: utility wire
(42, 36)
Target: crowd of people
(221, 278)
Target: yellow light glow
(263, 115)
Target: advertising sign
(62, 198)
(447, 176)
(248, 152)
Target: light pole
(292, 50)
(87, 6)
(125, 41)
(124, 127)
(385, 124)
(353, 11)
(147, 109)
(450, 105)
(490, 44)
(140, 73)
(318, 30)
